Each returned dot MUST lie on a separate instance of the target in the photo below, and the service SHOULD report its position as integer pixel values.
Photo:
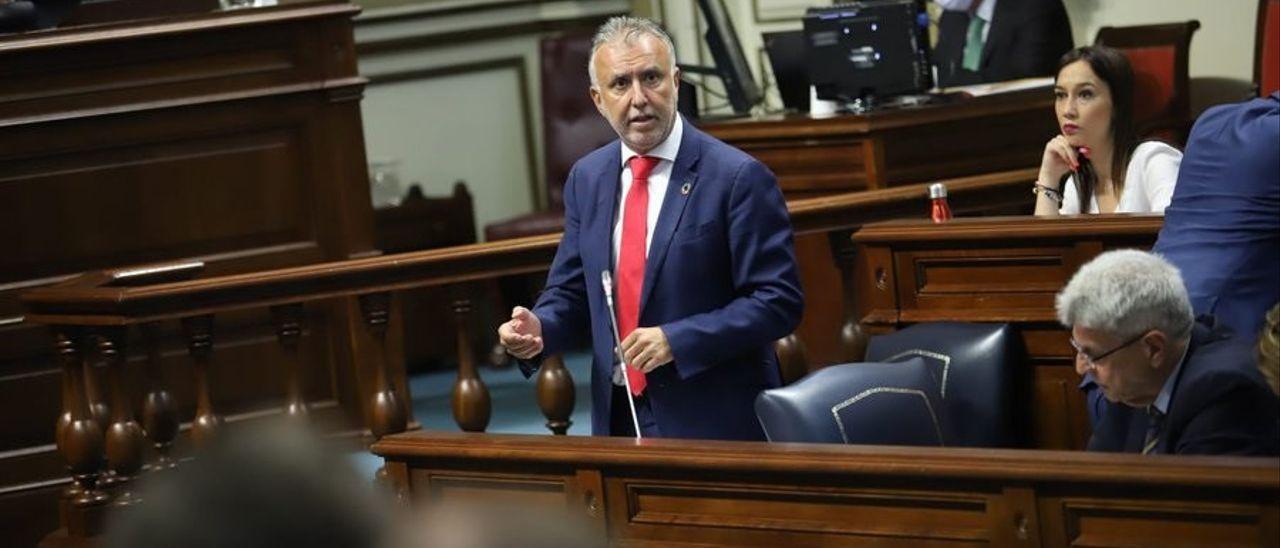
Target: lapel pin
(685, 188)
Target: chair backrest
(422, 222)
(972, 365)
(571, 127)
(1266, 57)
(862, 403)
(1161, 83)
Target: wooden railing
(92, 316)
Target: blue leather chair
(864, 403)
(972, 366)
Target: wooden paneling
(824, 311)
(804, 169)
(997, 269)
(140, 189)
(1092, 521)
(956, 280)
(28, 513)
(822, 155)
(661, 492)
(74, 72)
(230, 138)
(701, 510)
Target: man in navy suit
(699, 240)
(1222, 229)
(1173, 384)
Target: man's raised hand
(522, 334)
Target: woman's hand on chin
(1059, 158)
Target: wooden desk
(814, 156)
(821, 156)
(683, 492)
(996, 269)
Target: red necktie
(631, 256)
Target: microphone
(606, 280)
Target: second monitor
(859, 52)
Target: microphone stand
(607, 281)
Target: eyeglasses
(1092, 361)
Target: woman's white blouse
(1148, 182)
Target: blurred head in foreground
(271, 486)
(492, 523)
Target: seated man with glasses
(1174, 384)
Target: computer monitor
(868, 50)
(787, 58)
(731, 63)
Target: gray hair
(1126, 292)
(627, 30)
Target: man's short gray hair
(1127, 292)
(627, 30)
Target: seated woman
(1097, 164)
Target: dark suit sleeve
(948, 52)
(769, 303)
(1232, 423)
(562, 306)
(1043, 37)
(1113, 429)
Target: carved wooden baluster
(68, 358)
(387, 414)
(288, 320)
(159, 414)
(199, 331)
(793, 358)
(96, 396)
(93, 390)
(471, 404)
(853, 340)
(81, 439)
(556, 394)
(72, 491)
(125, 440)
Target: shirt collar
(666, 150)
(954, 5)
(1166, 392)
(986, 10)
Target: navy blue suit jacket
(1220, 405)
(720, 279)
(1222, 229)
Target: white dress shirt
(658, 180)
(985, 11)
(1148, 182)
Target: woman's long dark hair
(1112, 67)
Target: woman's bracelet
(1050, 193)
